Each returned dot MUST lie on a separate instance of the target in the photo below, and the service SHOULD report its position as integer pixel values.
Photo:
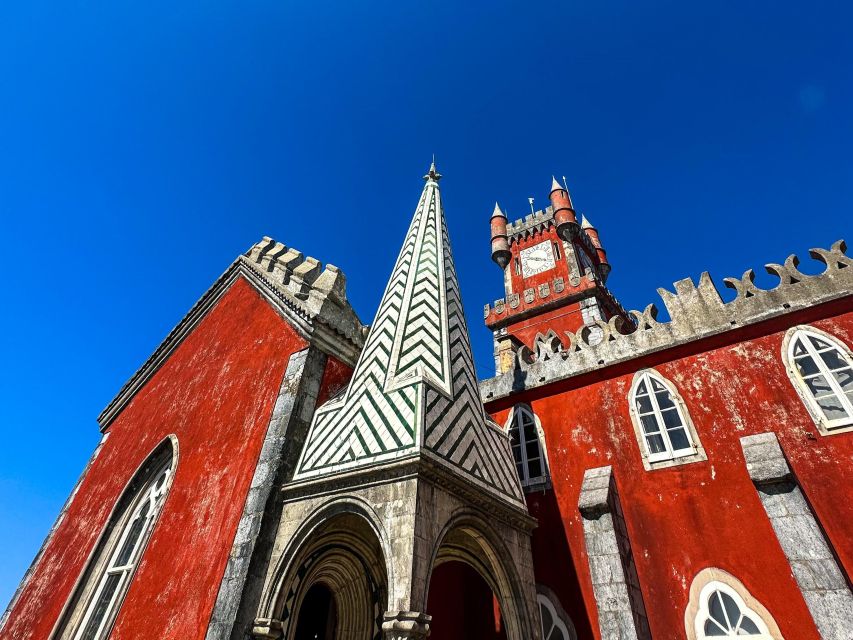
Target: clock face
(536, 259)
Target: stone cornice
(696, 312)
(421, 465)
(312, 301)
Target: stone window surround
(78, 602)
(797, 382)
(551, 601)
(698, 456)
(696, 603)
(543, 482)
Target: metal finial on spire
(432, 174)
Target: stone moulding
(313, 300)
(696, 312)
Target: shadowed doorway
(317, 616)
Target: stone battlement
(312, 298)
(530, 224)
(696, 312)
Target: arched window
(99, 595)
(821, 368)
(661, 421)
(527, 447)
(721, 607)
(553, 626)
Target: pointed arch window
(99, 594)
(553, 625)
(663, 425)
(721, 607)
(821, 369)
(528, 449)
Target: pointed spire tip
(586, 224)
(555, 186)
(498, 211)
(432, 174)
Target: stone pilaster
(406, 625)
(813, 564)
(621, 614)
(291, 415)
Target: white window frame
(543, 479)
(558, 618)
(694, 452)
(802, 332)
(149, 485)
(705, 584)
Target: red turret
(500, 243)
(592, 232)
(564, 212)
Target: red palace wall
(704, 514)
(215, 393)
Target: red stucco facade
(215, 394)
(702, 514)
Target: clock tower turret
(555, 270)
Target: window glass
(664, 429)
(824, 371)
(100, 594)
(527, 446)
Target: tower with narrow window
(555, 272)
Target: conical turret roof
(414, 389)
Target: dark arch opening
(462, 605)
(317, 617)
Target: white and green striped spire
(414, 389)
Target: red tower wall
(688, 517)
(215, 393)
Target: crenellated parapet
(311, 298)
(696, 311)
(318, 292)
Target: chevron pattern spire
(414, 389)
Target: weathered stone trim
(333, 326)
(813, 564)
(712, 574)
(621, 612)
(699, 454)
(296, 398)
(799, 386)
(406, 625)
(696, 311)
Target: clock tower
(555, 274)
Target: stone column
(814, 566)
(406, 625)
(621, 614)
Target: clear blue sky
(143, 145)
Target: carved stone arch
(343, 546)
(467, 537)
(697, 451)
(824, 426)
(712, 578)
